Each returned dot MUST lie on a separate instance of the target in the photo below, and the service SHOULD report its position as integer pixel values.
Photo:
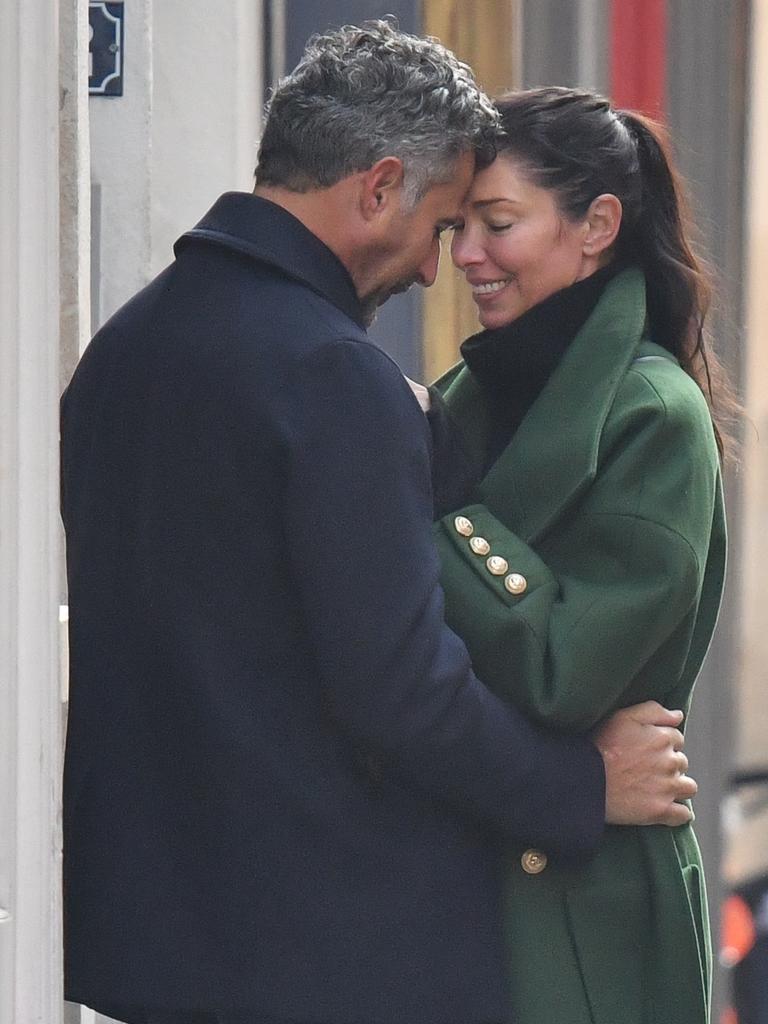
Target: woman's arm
(601, 613)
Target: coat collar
(553, 456)
(261, 229)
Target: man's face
(408, 251)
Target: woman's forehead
(507, 181)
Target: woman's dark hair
(576, 145)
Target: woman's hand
(421, 393)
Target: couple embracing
(368, 682)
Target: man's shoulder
(297, 310)
(258, 300)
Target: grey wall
(565, 42)
(707, 110)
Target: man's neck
(324, 212)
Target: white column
(30, 719)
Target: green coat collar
(553, 455)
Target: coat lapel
(464, 398)
(553, 456)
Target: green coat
(608, 502)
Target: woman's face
(514, 245)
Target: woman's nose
(465, 252)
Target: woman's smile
(484, 290)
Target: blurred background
(120, 124)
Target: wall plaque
(105, 50)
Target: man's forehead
(448, 198)
(465, 171)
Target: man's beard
(369, 304)
(369, 307)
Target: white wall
(206, 111)
(121, 160)
(184, 130)
(30, 707)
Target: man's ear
(380, 185)
(603, 221)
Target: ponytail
(679, 284)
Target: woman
(583, 562)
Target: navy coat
(284, 786)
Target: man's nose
(428, 269)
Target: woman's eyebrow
(499, 199)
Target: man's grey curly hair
(363, 93)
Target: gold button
(464, 526)
(480, 545)
(497, 565)
(533, 861)
(516, 583)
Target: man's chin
(370, 304)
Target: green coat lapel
(464, 398)
(545, 468)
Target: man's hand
(644, 766)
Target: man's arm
(396, 679)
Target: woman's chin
(491, 319)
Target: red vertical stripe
(639, 55)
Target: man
(285, 789)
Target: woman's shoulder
(655, 382)
(659, 414)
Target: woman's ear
(603, 223)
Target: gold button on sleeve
(463, 526)
(497, 565)
(533, 862)
(480, 545)
(516, 583)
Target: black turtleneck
(513, 363)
